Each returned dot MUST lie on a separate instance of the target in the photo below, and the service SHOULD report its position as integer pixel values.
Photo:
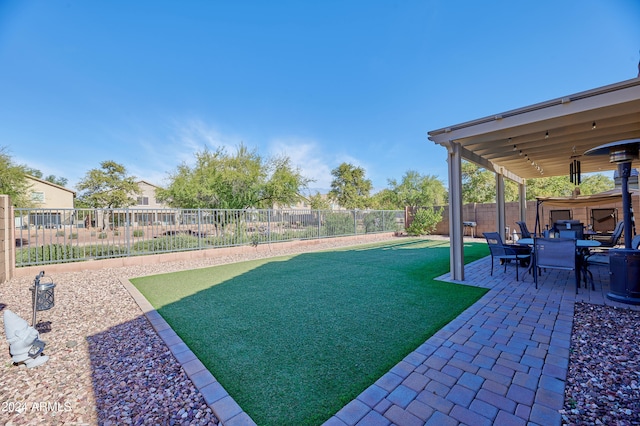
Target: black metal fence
(46, 236)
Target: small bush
(73, 236)
(138, 233)
(338, 224)
(59, 233)
(102, 235)
(424, 221)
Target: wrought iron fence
(46, 236)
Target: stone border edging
(224, 407)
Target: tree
(243, 180)
(479, 185)
(385, 200)
(594, 184)
(13, 181)
(416, 190)
(318, 202)
(108, 187)
(61, 181)
(33, 172)
(349, 186)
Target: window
(143, 201)
(37, 197)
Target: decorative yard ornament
(24, 345)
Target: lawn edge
(225, 408)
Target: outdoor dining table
(582, 249)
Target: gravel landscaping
(603, 383)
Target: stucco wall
(54, 196)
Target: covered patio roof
(537, 141)
(550, 133)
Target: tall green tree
(242, 180)
(349, 186)
(13, 181)
(108, 187)
(417, 190)
(479, 185)
(385, 199)
(318, 202)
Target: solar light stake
(43, 297)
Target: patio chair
(614, 240)
(524, 231)
(556, 253)
(506, 253)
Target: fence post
(319, 224)
(127, 228)
(269, 225)
(355, 222)
(199, 228)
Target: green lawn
(294, 338)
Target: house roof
(148, 183)
(550, 134)
(46, 182)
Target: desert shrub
(73, 236)
(424, 221)
(50, 253)
(168, 243)
(338, 224)
(138, 233)
(102, 235)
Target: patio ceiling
(550, 134)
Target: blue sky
(149, 83)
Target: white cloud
(161, 156)
(307, 156)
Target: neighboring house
(147, 201)
(55, 200)
(48, 195)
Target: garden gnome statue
(24, 344)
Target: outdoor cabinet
(624, 276)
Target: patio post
(500, 206)
(456, 261)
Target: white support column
(455, 212)
(500, 206)
(522, 198)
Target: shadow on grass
(293, 339)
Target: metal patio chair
(614, 240)
(556, 253)
(506, 253)
(524, 231)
